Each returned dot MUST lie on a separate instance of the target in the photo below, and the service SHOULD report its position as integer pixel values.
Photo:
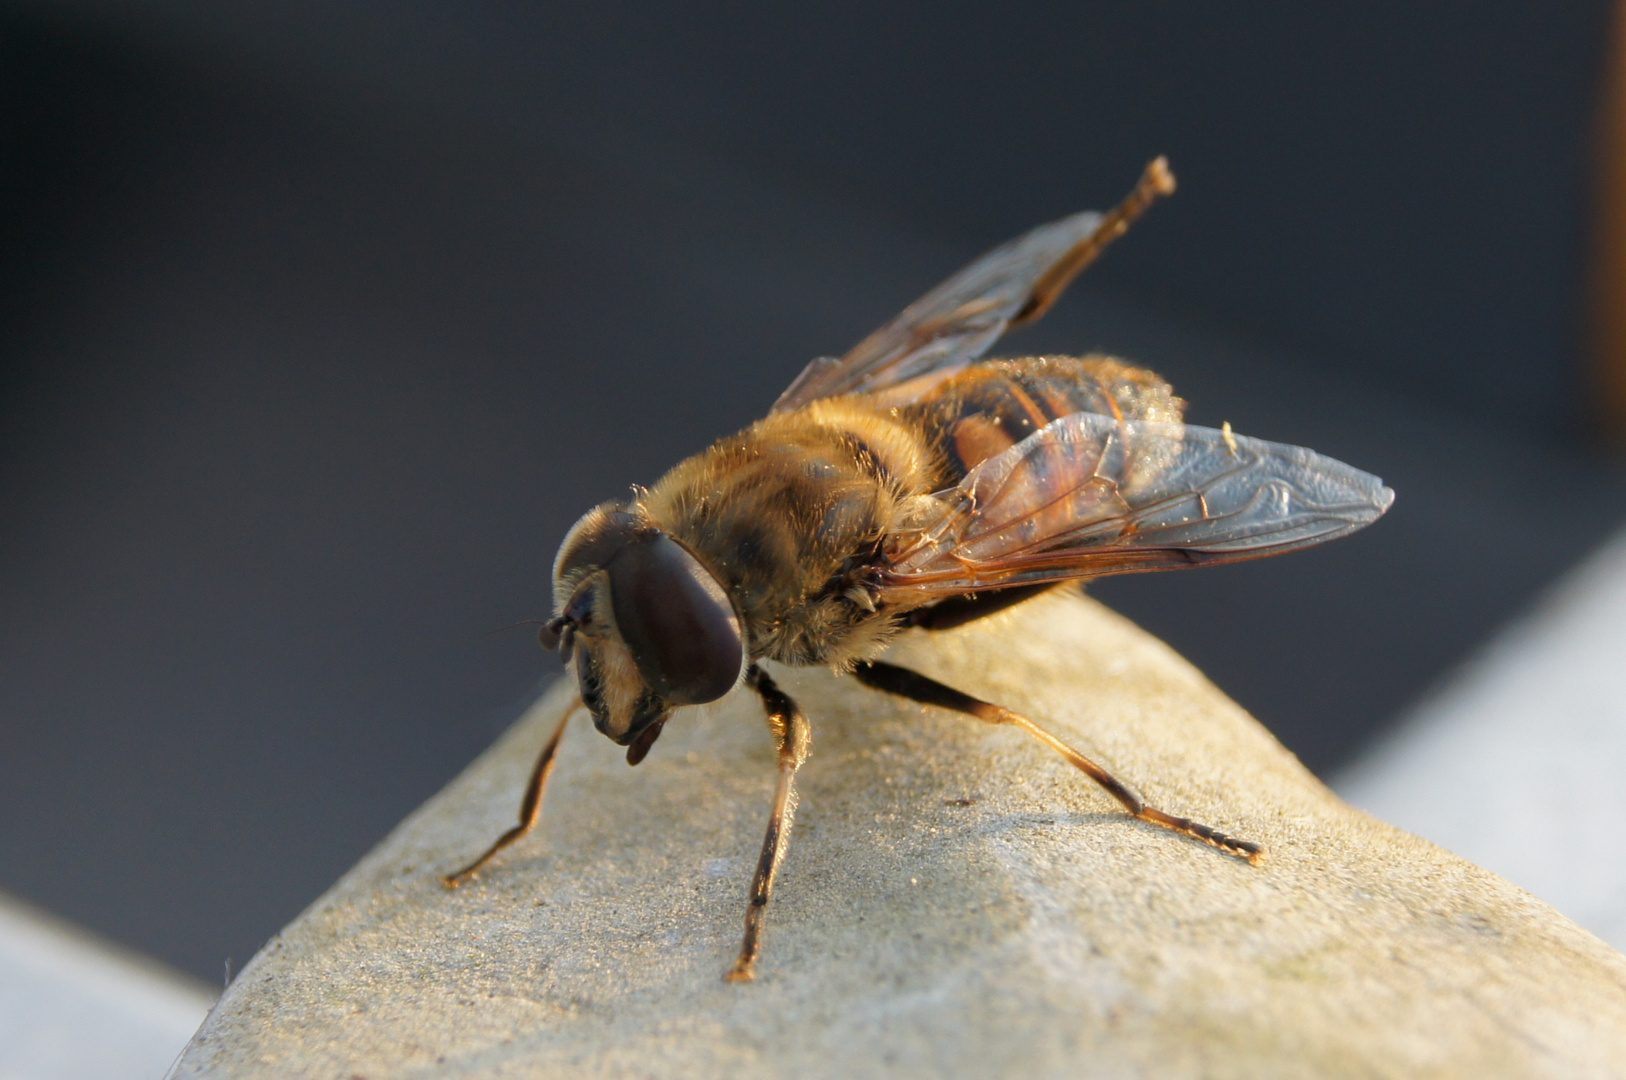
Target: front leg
(916, 687)
(793, 738)
(530, 807)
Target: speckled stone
(957, 902)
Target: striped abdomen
(991, 407)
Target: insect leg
(959, 610)
(794, 738)
(1154, 181)
(530, 807)
(916, 687)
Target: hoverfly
(906, 485)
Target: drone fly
(906, 485)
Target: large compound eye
(588, 547)
(676, 620)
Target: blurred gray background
(320, 323)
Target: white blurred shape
(75, 1008)
(1519, 761)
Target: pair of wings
(1087, 495)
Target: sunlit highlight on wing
(1091, 495)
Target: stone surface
(956, 903)
(1517, 762)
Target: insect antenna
(514, 626)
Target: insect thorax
(784, 511)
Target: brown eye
(676, 621)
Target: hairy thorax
(783, 512)
(789, 511)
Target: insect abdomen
(990, 407)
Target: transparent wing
(956, 322)
(950, 326)
(1087, 496)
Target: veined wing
(959, 320)
(1087, 496)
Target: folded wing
(1088, 496)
